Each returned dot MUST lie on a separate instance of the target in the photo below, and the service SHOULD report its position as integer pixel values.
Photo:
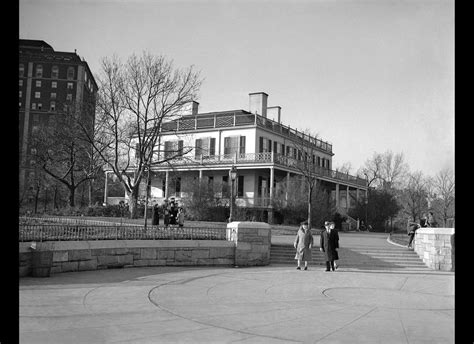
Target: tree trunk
(133, 202)
(36, 199)
(90, 191)
(72, 192)
(45, 201)
(55, 198)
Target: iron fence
(83, 232)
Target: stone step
(358, 256)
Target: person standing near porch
(303, 243)
(329, 243)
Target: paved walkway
(272, 304)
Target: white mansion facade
(265, 153)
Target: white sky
(367, 76)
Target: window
(21, 94)
(40, 106)
(70, 85)
(70, 73)
(177, 184)
(240, 186)
(37, 94)
(275, 146)
(33, 106)
(39, 71)
(69, 97)
(173, 148)
(206, 147)
(225, 184)
(20, 83)
(52, 106)
(319, 160)
(265, 145)
(22, 69)
(54, 84)
(53, 95)
(54, 72)
(234, 144)
(38, 83)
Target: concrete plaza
(271, 304)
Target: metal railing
(240, 118)
(270, 158)
(65, 232)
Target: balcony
(268, 158)
(240, 118)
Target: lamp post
(366, 200)
(233, 176)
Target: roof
(33, 43)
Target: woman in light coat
(303, 243)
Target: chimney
(258, 103)
(274, 113)
(194, 108)
(189, 109)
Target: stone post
(252, 242)
(436, 247)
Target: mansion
(265, 153)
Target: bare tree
(61, 151)
(385, 170)
(443, 185)
(134, 100)
(305, 148)
(414, 195)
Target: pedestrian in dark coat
(303, 243)
(166, 216)
(329, 243)
(155, 216)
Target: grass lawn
(400, 238)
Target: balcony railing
(240, 118)
(267, 158)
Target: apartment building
(265, 152)
(50, 83)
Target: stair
(365, 257)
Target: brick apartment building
(50, 83)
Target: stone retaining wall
(248, 244)
(436, 247)
(66, 256)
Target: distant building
(50, 83)
(263, 150)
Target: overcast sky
(366, 76)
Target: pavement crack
(345, 325)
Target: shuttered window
(234, 144)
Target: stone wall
(436, 247)
(66, 256)
(252, 242)
(248, 244)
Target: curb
(394, 243)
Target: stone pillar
(337, 196)
(436, 247)
(252, 242)
(357, 195)
(287, 185)
(272, 180)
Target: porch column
(337, 195)
(166, 184)
(357, 195)
(287, 185)
(200, 175)
(348, 198)
(272, 177)
(105, 188)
